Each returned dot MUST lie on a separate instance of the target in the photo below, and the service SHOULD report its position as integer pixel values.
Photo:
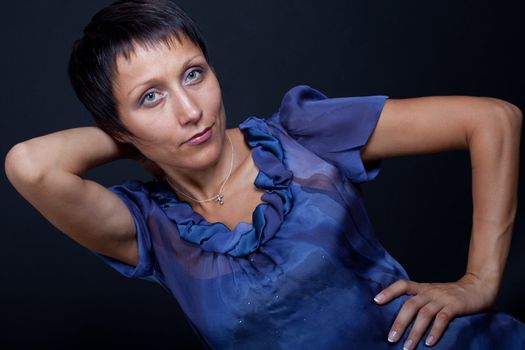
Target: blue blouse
(304, 274)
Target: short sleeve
(333, 128)
(135, 197)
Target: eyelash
(143, 98)
(196, 70)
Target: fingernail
(429, 341)
(379, 298)
(392, 336)
(408, 345)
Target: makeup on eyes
(195, 70)
(142, 101)
(197, 61)
(152, 90)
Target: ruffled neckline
(273, 177)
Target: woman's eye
(151, 98)
(193, 75)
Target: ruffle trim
(273, 177)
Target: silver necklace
(219, 197)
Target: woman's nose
(188, 109)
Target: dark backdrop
(56, 294)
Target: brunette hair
(114, 31)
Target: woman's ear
(121, 137)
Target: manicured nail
(392, 336)
(408, 345)
(379, 298)
(429, 341)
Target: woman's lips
(200, 138)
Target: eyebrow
(154, 80)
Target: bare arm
(490, 129)
(47, 172)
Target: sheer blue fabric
(304, 274)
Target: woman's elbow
(509, 116)
(497, 125)
(21, 165)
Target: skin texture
(490, 129)
(167, 94)
(183, 97)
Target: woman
(259, 232)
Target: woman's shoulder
(334, 129)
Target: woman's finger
(441, 322)
(424, 317)
(407, 313)
(396, 289)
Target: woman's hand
(438, 302)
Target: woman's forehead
(152, 60)
(176, 45)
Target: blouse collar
(273, 177)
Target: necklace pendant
(220, 199)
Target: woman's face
(165, 95)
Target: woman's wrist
(488, 286)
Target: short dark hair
(114, 31)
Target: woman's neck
(205, 183)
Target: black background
(56, 294)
